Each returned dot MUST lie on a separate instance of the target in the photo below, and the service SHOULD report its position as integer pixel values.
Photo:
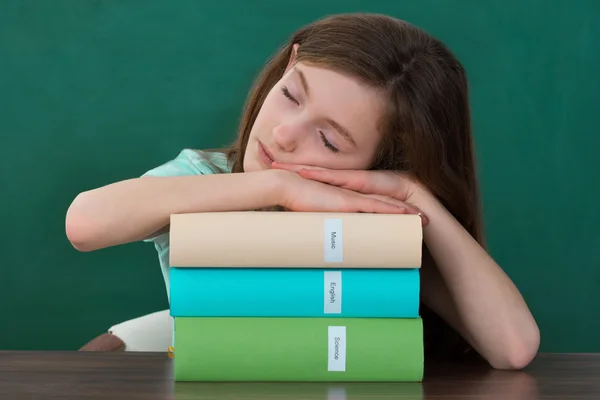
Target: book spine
(298, 349)
(290, 239)
(243, 292)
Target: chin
(250, 163)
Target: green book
(298, 349)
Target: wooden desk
(147, 376)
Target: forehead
(342, 98)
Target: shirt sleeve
(187, 162)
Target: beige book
(295, 239)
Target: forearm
(489, 310)
(133, 209)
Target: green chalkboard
(96, 91)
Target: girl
(356, 113)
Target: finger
(410, 209)
(371, 205)
(351, 180)
(294, 167)
(287, 167)
(362, 181)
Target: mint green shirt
(188, 162)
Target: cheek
(268, 112)
(276, 109)
(354, 161)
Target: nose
(287, 135)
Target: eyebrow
(343, 131)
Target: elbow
(80, 227)
(514, 360)
(519, 351)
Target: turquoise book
(294, 292)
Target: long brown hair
(427, 126)
(427, 129)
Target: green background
(97, 91)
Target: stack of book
(289, 296)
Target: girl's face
(316, 116)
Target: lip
(265, 155)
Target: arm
(134, 209)
(471, 292)
(461, 283)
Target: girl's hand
(386, 185)
(301, 194)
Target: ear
(292, 59)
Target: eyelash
(287, 94)
(326, 142)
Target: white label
(336, 338)
(333, 240)
(332, 299)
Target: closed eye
(327, 143)
(287, 94)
